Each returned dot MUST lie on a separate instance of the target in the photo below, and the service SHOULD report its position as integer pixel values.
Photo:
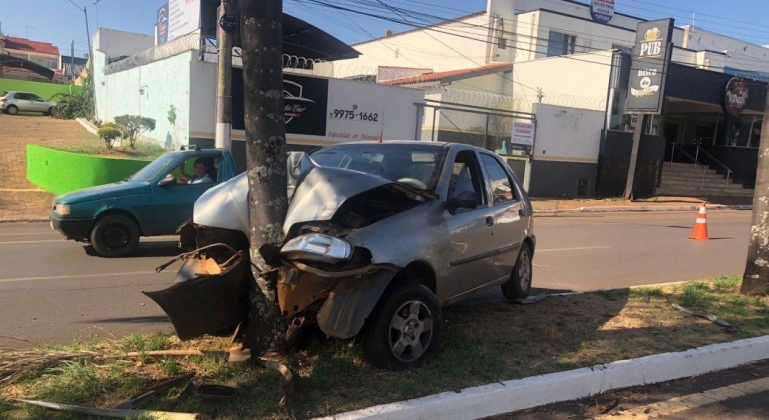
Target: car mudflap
(200, 303)
(344, 312)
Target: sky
(60, 22)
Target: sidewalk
(660, 203)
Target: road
(52, 291)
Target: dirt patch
(483, 343)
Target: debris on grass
(710, 317)
(115, 413)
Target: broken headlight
(317, 247)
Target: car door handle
(489, 221)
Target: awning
(20, 63)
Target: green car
(157, 200)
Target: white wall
(164, 82)
(580, 80)
(116, 43)
(567, 134)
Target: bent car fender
(351, 302)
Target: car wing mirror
(168, 181)
(40, 100)
(465, 200)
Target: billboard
(651, 55)
(161, 25)
(183, 17)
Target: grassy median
(483, 343)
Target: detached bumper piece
(207, 297)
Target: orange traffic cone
(700, 231)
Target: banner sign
(183, 17)
(736, 96)
(523, 133)
(602, 10)
(651, 55)
(161, 25)
(748, 74)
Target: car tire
(115, 236)
(11, 110)
(519, 285)
(420, 317)
(49, 112)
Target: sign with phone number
(348, 114)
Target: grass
(143, 150)
(483, 343)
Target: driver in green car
(199, 177)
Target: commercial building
(568, 64)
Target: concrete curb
(619, 209)
(88, 126)
(509, 396)
(34, 220)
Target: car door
(471, 246)
(172, 204)
(36, 103)
(510, 223)
(21, 100)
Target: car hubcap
(411, 331)
(524, 271)
(115, 236)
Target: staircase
(687, 179)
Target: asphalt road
(52, 290)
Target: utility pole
(262, 34)
(72, 61)
(755, 281)
(628, 195)
(224, 82)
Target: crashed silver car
(379, 237)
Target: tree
(262, 37)
(133, 125)
(109, 133)
(755, 281)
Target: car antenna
(381, 131)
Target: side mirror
(465, 200)
(40, 100)
(168, 181)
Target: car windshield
(412, 164)
(160, 166)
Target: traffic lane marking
(76, 276)
(573, 249)
(691, 401)
(41, 241)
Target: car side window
(502, 189)
(20, 96)
(466, 177)
(32, 97)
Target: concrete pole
(224, 84)
(72, 61)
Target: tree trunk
(262, 35)
(755, 281)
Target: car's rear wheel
(404, 331)
(115, 236)
(519, 285)
(12, 110)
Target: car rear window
(5, 93)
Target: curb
(510, 396)
(625, 209)
(23, 220)
(87, 125)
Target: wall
(116, 43)
(430, 49)
(581, 81)
(615, 161)
(739, 53)
(44, 90)
(45, 166)
(163, 83)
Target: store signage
(602, 10)
(736, 96)
(161, 25)
(523, 133)
(183, 17)
(651, 56)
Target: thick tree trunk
(755, 281)
(262, 35)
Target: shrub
(133, 125)
(75, 104)
(109, 134)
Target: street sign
(651, 56)
(523, 133)
(602, 10)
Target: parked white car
(13, 102)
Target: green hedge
(43, 90)
(62, 172)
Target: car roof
(414, 142)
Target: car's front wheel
(404, 331)
(49, 112)
(12, 110)
(115, 236)
(519, 285)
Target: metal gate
(488, 128)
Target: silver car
(13, 102)
(379, 237)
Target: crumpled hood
(117, 189)
(317, 197)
